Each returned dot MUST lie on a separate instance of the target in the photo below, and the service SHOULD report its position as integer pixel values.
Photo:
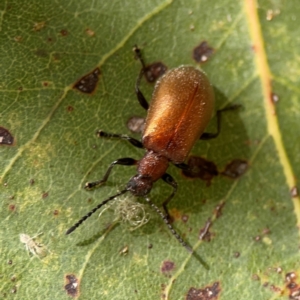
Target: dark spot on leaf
(184, 218)
(41, 53)
(56, 212)
(72, 286)
(150, 246)
(49, 39)
(274, 98)
(14, 290)
(136, 124)
(290, 277)
(167, 266)
(88, 83)
(11, 207)
(31, 181)
(6, 137)
(5, 184)
(45, 195)
(235, 168)
(218, 209)
(45, 83)
(211, 292)
(204, 233)
(70, 108)
(154, 71)
(9, 262)
(20, 88)
(201, 168)
(13, 278)
(237, 254)
(294, 192)
(64, 32)
(202, 52)
(275, 289)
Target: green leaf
(46, 47)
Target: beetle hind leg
(210, 135)
(127, 161)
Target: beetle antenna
(165, 218)
(94, 210)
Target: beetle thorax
(150, 168)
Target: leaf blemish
(204, 233)
(211, 292)
(202, 52)
(88, 83)
(6, 138)
(155, 70)
(136, 124)
(72, 286)
(201, 168)
(64, 32)
(235, 168)
(167, 266)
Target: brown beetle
(181, 107)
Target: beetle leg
(142, 100)
(165, 218)
(169, 180)
(210, 135)
(127, 161)
(131, 140)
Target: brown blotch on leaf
(39, 26)
(14, 290)
(204, 233)
(292, 286)
(45, 195)
(167, 266)
(154, 71)
(136, 124)
(274, 98)
(88, 83)
(56, 212)
(64, 32)
(70, 108)
(294, 192)
(236, 254)
(235, 168)
(6, 137)
(41, 53)
(31, 181)
(89, 32)
(218, 209)
(72, 286)
(202, 52)
(12, 207)
(9, 262)
(184, 218)
(201, 168)
(211, 292)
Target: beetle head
(140, 185)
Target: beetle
(181, 108)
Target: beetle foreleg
(127, 161)
(169, 180)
